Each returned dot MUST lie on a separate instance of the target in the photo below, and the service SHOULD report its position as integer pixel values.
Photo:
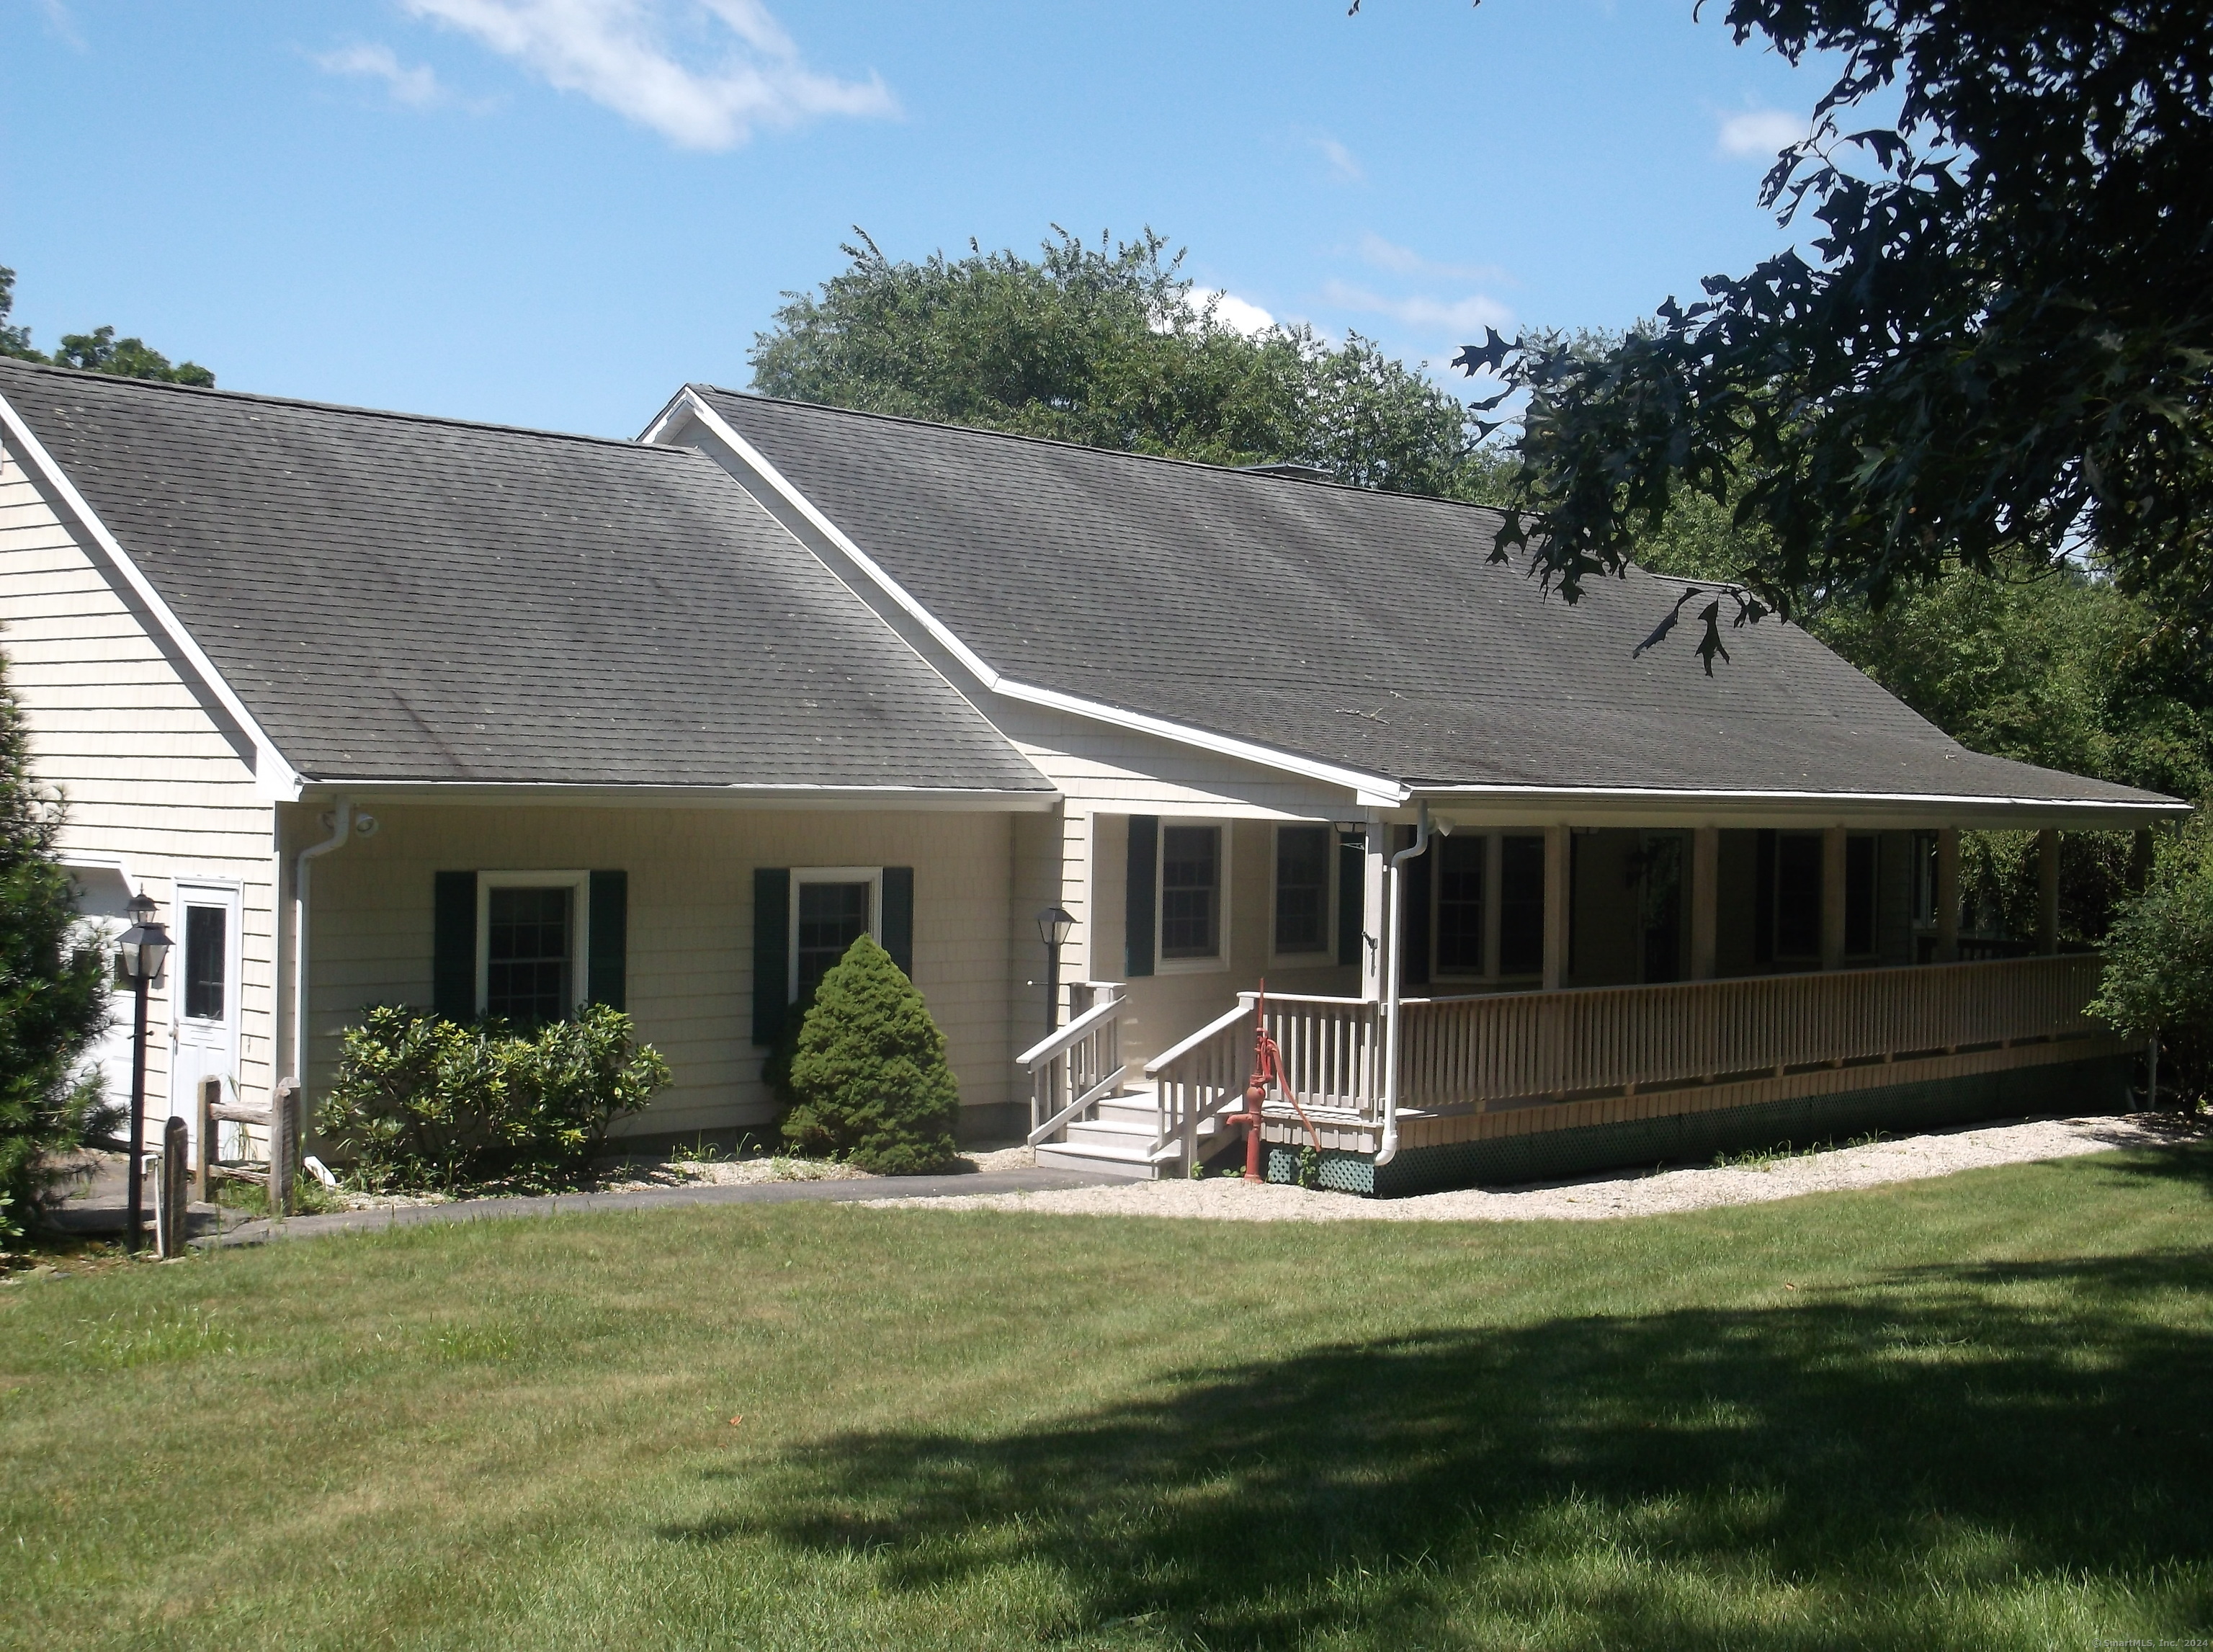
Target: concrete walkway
(256, 1232)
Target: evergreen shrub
(53, 989)
(869, 1072)
(2159, 963)
(422, 1103)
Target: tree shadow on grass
(1918, 1462)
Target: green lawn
(1966, 1413)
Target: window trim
(1218, 961)
(1325, 956)
(871, 876)
(579, 884)
(232, 896)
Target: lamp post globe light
(140, 952)
(1053, 925)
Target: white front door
(204, 970)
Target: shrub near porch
(1966, 1413)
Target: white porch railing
(1535, 1045)
(1508, 1048)
(1076, 1067)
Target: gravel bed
(1632, 1193)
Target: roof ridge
(81, 374)
(1258, 474)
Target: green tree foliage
(2001, 346)
(2158, 962)
(421, 1102)
(1106, 345)
(97, 351)
(53, 991)
(869, 1071)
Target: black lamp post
(1053, 925)
(142, 950)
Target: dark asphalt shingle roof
(408, 598)
(1359, 628)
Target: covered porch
(1521, 1002)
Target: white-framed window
(1305, 892)
(533, 938)
(1191, 896)
(831, 906)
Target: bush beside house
(424, 1102)
(53, 991)
(2158, 962)
(868, 1073)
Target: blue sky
(552, 212)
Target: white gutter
(342, 830)
(1389, 1150)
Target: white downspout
(342, 828)
(1392, 925)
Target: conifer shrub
(422, 1103)
(869, 1072)
(53, 989)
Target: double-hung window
(532, 944)
(1303, 854)
(832, 907)
(1191, 893)
(1461, 903)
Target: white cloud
(61, 25)
(417, 85)
(621, 53)
(1463, 318)
(1404, 260)
(1342, 165)
(1761, 131)
(1233, 312)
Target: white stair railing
(1076, 1067)
(1199, 1078)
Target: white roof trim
(1704, 795)
(273, 775)
(1377, 789)
(803, 795)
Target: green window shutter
(1144, 870)
(898, 937)
(454, 946)
(607, 968)
(1351, 899)
(772, 949)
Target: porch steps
(1117, 1140)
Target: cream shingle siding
(690, 925)
(149, 772)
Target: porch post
(1833, 898)
(1557, 916)
(1376, 933)
(1948, 895)
(1706, 900)
(2047, 891)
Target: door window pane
(1191, 891)
(831, 917)
(1303, 889)
(1798, 895)
(528, 977)
(1459, 904)
(205, 956)
(1522, 906)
